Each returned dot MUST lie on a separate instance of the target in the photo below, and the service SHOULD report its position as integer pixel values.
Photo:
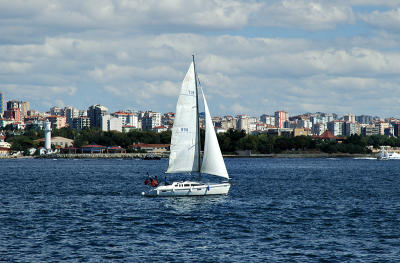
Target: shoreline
(304, 155)
(164, 155)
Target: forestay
(213, 162)
(184, 142)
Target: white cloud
(372, 2)
(130, 15)
(166, 16)
(310, 15)
(113, 72)
(384, 19)
(14, 67)
(135, 53)
(231, 69)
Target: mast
(197, 118)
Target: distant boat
(185, 147)
(385, 155)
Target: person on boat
(154, 182)
(147, 181)
(166, 181)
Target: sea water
(278, 210)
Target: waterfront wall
(101, 155)
(166, 155)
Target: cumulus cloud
(384, 19)
(310, 15)
(281, 70)
(127, 54)
(127, 17)
(14, 67)
(391, 3)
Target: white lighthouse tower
(47, 136)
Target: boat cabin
(186, 184)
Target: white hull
(389, 158)
(189, 189)
(384, 155)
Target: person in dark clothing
(147, 181)
(166, 181)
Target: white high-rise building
(82, 113)
(156, 118)
(349, 128)
(336, 127)
(127, 118)
(95, 114)
(150, 120)
(56, 111)
(267, 119)
(280, 118)
(81, 123)
(304, 123)
(70, 113)
(349, 118)
(242, 123)
(110, 123)
(319, 128)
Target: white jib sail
(184, 141)
(213, 162)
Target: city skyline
(252, 57)
(19, 116)
(149, 108)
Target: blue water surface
(278, 210)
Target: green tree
(248, 143)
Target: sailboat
(185, 147)
(385, 155)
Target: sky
(252, 57)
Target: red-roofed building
(115, 149)
(70, 149)
(4, 151)
(327, 135)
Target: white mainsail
(184, 142)
(213, 162)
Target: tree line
(230, 141)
